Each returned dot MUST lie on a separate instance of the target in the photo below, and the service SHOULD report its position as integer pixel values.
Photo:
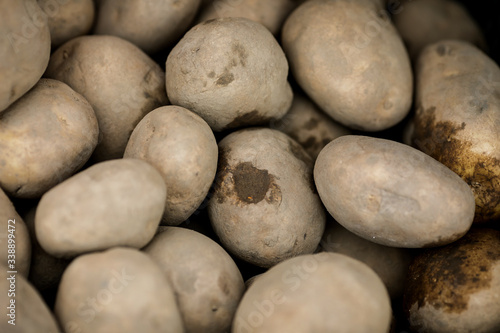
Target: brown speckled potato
(24, 48)
(151, 25)
(120, 81)
(205, 279)
(270, 14)
(392, 194)
(230, 71)
(325, 292)
(117, 291)
(180, 145)
(455, 289)
(457, 117)
(112, 203)
(390, 263)
(68, 18)
(309, 126)
(265, 207)
(351, 61)
(436, 20)
(45, 137)
(13, 228)
(31, 314)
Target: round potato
(183, 149)
(390, 263)
(206, 281)
(68, 19)
(216, 65)
(265, 207)
(112, 203)
(457, 117)
(325, 292)
(23, 308)
(117, 291)
(24, 48)
(151, 25)
(392, 194)
(45, 137)
(15, 242)
(350, 60)
(455, 288)
(120, 81)
(309, 126)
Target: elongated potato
(392, 194)
(350, 60)
(457, 117)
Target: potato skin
(120, 81)
(206, 281)
(265, 207)
(392, 194)
(325, 292)
(24, 48)
(457, 118)
(112, 203)
(218, 62)
(182, 147)
(351, 61)
(45, 137)
(120, 290)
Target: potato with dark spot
(120, 290)
(182, 147)
(112, 203)
(120, 81)
(390, 263)
(14, 236)
(265, 208)
(349, 58)
(456, 288)
(457, 117)
(45, 137)
(24, 48)
(206, 281)
(392, 194)
(230, 71)
(151, 25)
(309, 126)
(325, 292)
(436, 20)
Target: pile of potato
(248, 166)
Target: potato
(265, 207)
(436, 20)
(390, 263)
(112, 203)
(119, 290)
(23, 308)
(350, 60)
(15, 243)
(45, 137)
(120, 81)
(392, 194)
(230, 71)
(270, 14)
(309, 126)
(326, 292)
(68, 19)
(455, 288)
(457, 118)
(152, 25)
(206, 281)
(24, 48)
(182, 147)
